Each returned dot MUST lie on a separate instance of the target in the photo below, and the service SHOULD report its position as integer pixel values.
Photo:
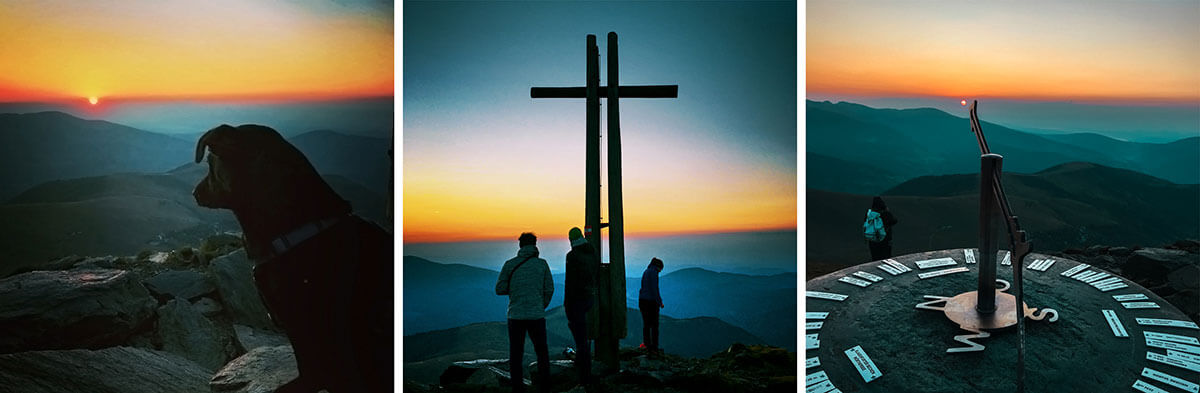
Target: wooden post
(592, 185)
(616, 205)
(607, 344)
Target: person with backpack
(527, 282)
(582, 266)
(878, 229)
(649, 301)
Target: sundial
(917, 322)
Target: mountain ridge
(52, 145)
(439, 296)
(926, 141)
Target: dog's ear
(216, 139)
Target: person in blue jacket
(649, 301)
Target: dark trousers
(577, 322)
(517, 329)
(649, 309)
(880, 250)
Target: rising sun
(93, 100)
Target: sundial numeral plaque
(938, 262)
(1167, 323)
(1147, 388)
(1115, 323)
(1170, 380)
(1130, 297)
(1171, 337)
(1173, 361)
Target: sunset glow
(169, 50)
(1062, 50)
(93, 100)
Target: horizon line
(259, 99)
(646, 235)
(1186, 102)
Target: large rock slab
(110, 370)
(479, 373)
(261, 370)
(184, 331)
(250, 338)
(207, 306)
(233, 275)
(71, 309)
(1150, 266)
(185, 284)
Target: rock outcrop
(88, 308)
(207, 306)
(739, 369)
(261, 370)
(250, 338)
(137, 324)
(184, 284)
(184, 331)
(233, 275)
(109, 370)
(1172, 271)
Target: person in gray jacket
(527, 282)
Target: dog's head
(252, 167)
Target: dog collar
(287, 241)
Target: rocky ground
(1171, 271)
(189, 320)
(740, 368)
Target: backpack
(873, 227)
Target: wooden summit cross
(611, 278)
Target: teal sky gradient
(468, 116)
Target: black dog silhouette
(324, 274)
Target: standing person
(649, 301)
(878, 229)
(582, 264)
(527, 282)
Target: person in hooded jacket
(881, 249)
(649, 301)
(582, 266)
(527, 282)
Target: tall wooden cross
(611, 277)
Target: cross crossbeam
(649, 91)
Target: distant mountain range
(75, 186)
(853, 148)
(360, 158)
(439, 296)
(45, 146)
(39, 147)
(763, 305)
(1069, 205)
(427, 354)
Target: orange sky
(1073, 50)
(193, 49)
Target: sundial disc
(878, 329)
